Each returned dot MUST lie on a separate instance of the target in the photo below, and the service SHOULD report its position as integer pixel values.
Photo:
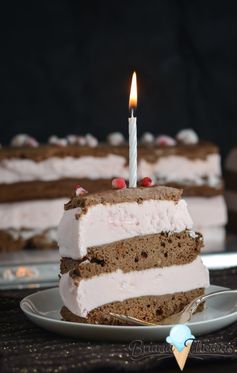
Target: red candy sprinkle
(146, 182)
(119, 183)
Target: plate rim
(109, 327)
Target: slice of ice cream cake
(128, 251)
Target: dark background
(66, 67)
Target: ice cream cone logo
(181, 339)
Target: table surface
(24, 347)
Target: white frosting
(207, 212)
(103, 224)
(37, 214)
(118, 286)
(54, 168)
(231, 161)
(173, 168)
(180, 169)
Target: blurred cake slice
(130, 251)
(36, 180)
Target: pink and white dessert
(35, 181)
(137, 246)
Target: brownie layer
(11, 240)
(124, 195)
(149, 153)
(31, 190)
(138, 253)
(148, 308)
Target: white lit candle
(132, 129)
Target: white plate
(43, 308)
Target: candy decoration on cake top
(81, 140)
(55, 140)
(87, 140)
(164, 140)
(146, 182)
(21, 140)
(119, 183)
(187, 136)
(79, 190)
(115, 139)
(147, 138)
(91, 140)
(72, 139)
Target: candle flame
(133, 92)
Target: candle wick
(132, 113)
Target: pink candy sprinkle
(24, 140)
(79, 190)
(30, 141)
(164, 140)
(119, 183)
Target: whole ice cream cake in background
(194, 166)
(231, 188)
(129, 251)
(36, 180)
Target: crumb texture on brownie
(147, 308)
(138, 253)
